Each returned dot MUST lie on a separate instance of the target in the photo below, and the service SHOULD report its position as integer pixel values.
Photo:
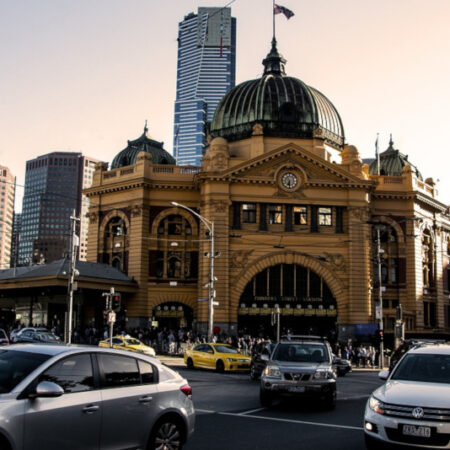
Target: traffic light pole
(380, 300)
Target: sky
(84, 75)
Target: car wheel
(330, 401)
(167, 435)
(265, 398)
(220, 366)
(253, 374)
(190, 363)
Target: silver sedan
(57, 396)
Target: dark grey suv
(300, 368)
(68, 397)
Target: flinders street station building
(301, 224)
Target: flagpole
(377, 155)
(273, 17)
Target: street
(229, 415)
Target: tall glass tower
(206, 72)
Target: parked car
(258, 364)
(3, 337)
(42, 337)
(343, 366)
(59, 396)
(18, 331)
(128, 343)
(220, 357)
(298, 369)
(413, 406)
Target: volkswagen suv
(413, 406)
(299, 368)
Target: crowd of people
(175, 341)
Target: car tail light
(4, 341)
(186, 390)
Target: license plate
(412, 430)
(297, 389)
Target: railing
(392, 180)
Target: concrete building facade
(7, 198)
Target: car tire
(190, 363)
(220, 366)
(167, 433)
(253, 375)
(330, 401)
(265, 398)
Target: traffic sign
(111, 317)
(378, 313)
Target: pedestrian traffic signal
(115, 301)
(380, 333)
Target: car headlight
(231, 359)
(272, 371)
(324, 374)
(376, 405)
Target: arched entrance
(173, 315)
(306, 303)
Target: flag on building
(277, 9)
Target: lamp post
(209, 224)
(379, 307)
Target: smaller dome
(392, 162)
(144, 143)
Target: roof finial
(274, 62)
(391, 142)
(145, 126)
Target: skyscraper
(206, 71)
(7, 197)
(53, 184)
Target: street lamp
(209, 224)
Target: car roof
(427, 348)
(54, 350)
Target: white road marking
(251, 411)
(303, 422)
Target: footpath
(178, 361)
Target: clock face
(289, 180)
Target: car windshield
(2, 334)
(46, 337)
(426, 368)
(133, 341)
(225, 349)
(301, 352)
(15, 366)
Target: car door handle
(146, 399)
(90, 409)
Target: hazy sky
(84, 75)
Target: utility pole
(74, 243)
(379, 306)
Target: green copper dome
(392, 163)
(284, 106)
(144, 143)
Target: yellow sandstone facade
(296, 214)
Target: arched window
(115, 244)
(428, 260)
(115, 227)
(389, 256)
(176, 256)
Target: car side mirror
(48, 389)
(264, 357)
(383, 375)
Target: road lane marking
(205, 411)
(302, 422)
(251, 411)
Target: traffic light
(380, 333)
(115, 301)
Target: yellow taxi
(219, 357)
(128, 343)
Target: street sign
(111, 317)
(378, 313)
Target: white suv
(413, 406)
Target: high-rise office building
(7, 197)
(206, 71)
(17, 224)
(53, 185)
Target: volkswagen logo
(417, 413)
